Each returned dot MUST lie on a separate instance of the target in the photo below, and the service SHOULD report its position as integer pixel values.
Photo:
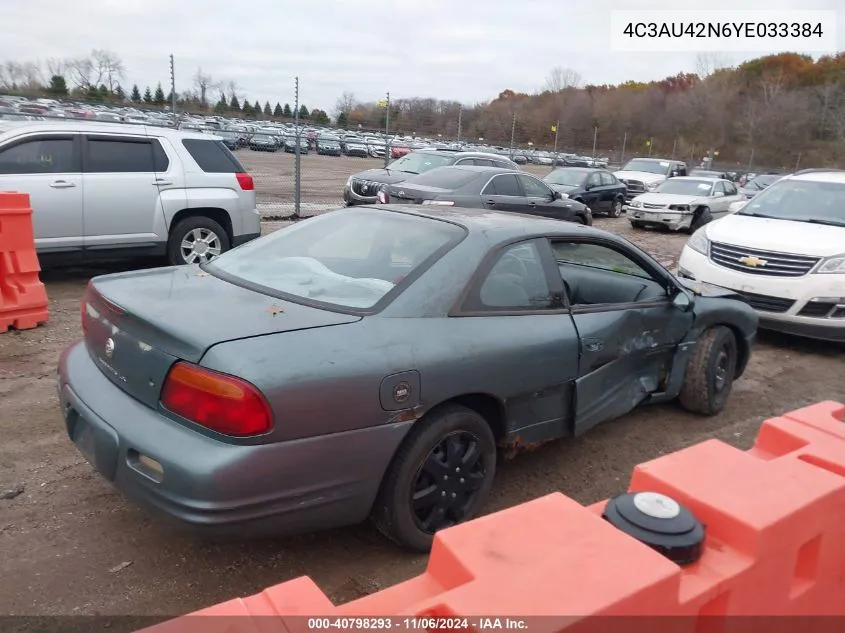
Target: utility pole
(798, 162)
(674, 145)
(460, 115)
(297, 172)
(650, 143)
(595, 138)
(513, 133)
(387, 130)
(173, 91)
(554, 152)
(751, 159)
(624, 144)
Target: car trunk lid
(138, 324)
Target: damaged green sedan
(375, 362)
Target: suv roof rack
(817, 170)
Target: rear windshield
(444, 178)
(347, 258)
(213, 157)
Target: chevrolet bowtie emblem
(753, 262)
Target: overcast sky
(465, 50)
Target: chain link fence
(301, 167)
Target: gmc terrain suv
(110, 190)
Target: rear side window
(39, 156)
(213, 157)
(504, 165)
(114, 155)
(505, 185)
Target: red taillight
(246, 182)
(216, 401)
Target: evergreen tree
(303, 112)
(158, 98)
(256, 108)
(277, 111)
(120, 93)
(267, 110)
(287, 111)
(58, 86)
(221, 107)
(247, 110)
(148, 95)
(92, 93)
(136, 94)
(342, 120)
(234, 104)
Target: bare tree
(108, 68)
(708, 63)
(345, 103)
(11, 74)
(233, 89)
(560, 78)
(55, 66)
(32, 78)
(81, 72)
(203, 83)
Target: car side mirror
(556, 195)
(682, 301)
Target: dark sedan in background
(290, 145)
(328, 146)
(597, 188)
(758, 184)
(363, 187)
(263, 143)
(471, 187)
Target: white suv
(108, 190)
(785, 251)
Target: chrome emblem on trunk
(109, 348)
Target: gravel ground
(66, 539)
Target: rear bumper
(220, 488)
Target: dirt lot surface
(66, 539)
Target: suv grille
(766, 303)
(366, 188)
(650, 205)
(817, 308)
(757, 262)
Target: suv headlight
(832, 265)
(652, 186)
(636, 204)
(698, 241)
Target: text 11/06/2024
(417, 623)
(724, 31)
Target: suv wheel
(195, 241)
(616, 210)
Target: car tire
(616, 209)
(702, 217)
(710, 372)
(192, 229)
(393, 513)
(637, 225)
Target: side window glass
(483, 162)
(119, 156)
(534, 188)
(506, 185)
(719, 187)
(160, 160)
(38, 156)
(730, 189)
(595, 180)
(682, 170)
(516, 281)
(595, 274)
(607, 180)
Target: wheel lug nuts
(463, 480)
(443, 494)
(454, 495)
(445, 477)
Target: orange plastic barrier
(23, 298)
(775, 546)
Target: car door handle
(162, 181)
(532, 204)
(491, 202)
(62, 184)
